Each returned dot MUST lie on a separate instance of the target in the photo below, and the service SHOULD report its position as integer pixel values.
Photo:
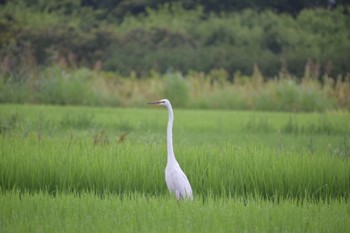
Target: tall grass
(195, 90)
(78, 165)
(86, 169)
(221, 156)
(85, 212)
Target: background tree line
(140, 36)
(120, 8)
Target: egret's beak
(156, 102)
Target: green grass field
(84, 169)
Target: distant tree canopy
(139, 36)
(120, 8)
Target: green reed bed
(82, 169)
(135, 212)
(78, 164)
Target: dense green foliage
(85, 169)
(173, 37)
(196, 90)
(120, 8)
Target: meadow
(100, 169)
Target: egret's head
(163, 102)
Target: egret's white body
(175, 178)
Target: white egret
(175, 178)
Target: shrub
(12, 91)
(176, 89)
(58, 87)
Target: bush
(176, 89)
(12, 91)
(58, 87)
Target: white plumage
(175, 178)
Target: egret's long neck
(171, 156)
